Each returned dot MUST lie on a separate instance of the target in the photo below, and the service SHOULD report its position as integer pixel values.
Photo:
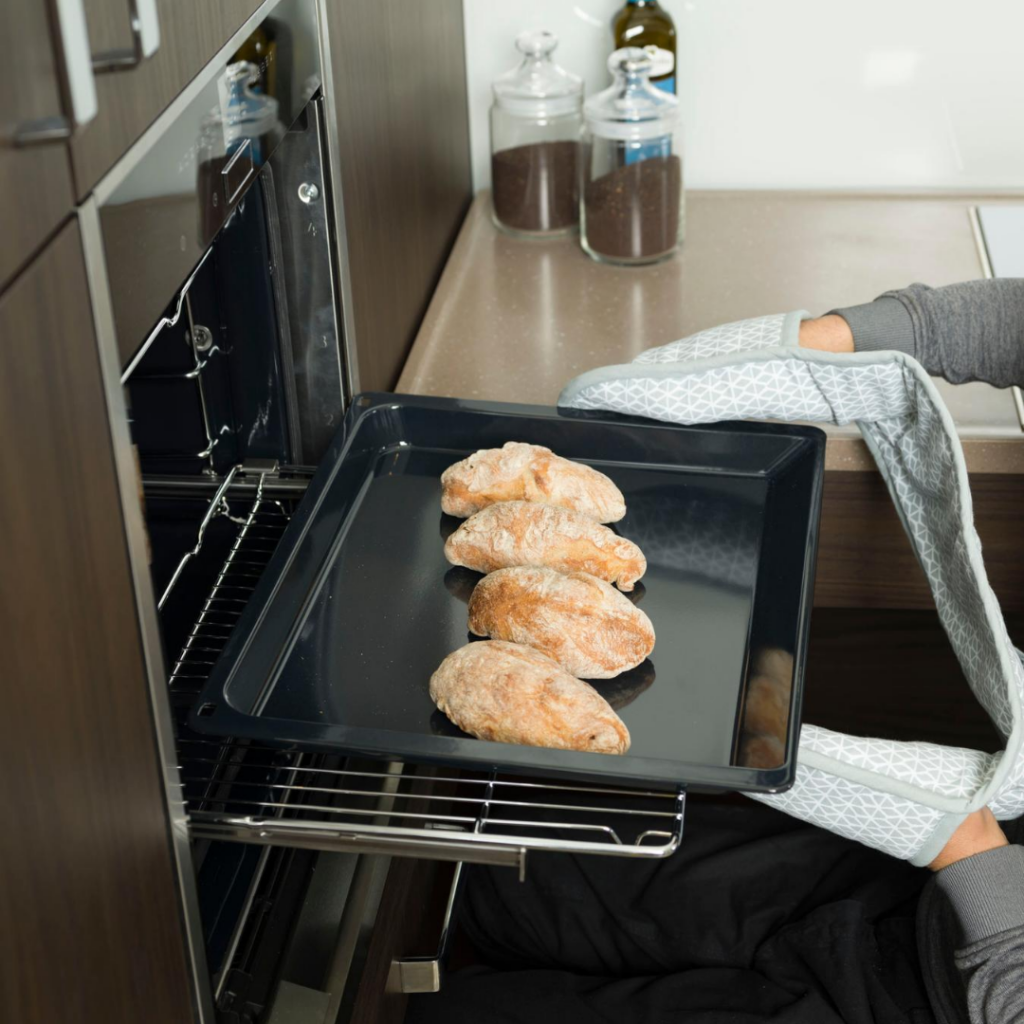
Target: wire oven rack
(248, 792)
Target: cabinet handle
(77, 85)
(145, 23)
(425, 973)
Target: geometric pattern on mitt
(922, 462)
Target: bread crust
(525, 533)
(585, 624)
(528, 472)
(510, 693)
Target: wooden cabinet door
(90, 926)
(35, 183)
(405, 168)
(191, 32)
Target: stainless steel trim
(243, 152)
(145, 27)
(384, 839)
(243, 920)
(986, 268)
(135, 535)
(332, 176)
(40, 132)
(979, 242)
(418, 975)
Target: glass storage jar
(536, 120)
(632, 177)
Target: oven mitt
(904, 798)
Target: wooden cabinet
(90, 926)
(403, 132)
(191, 32)
(35, 182)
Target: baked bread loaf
(527, 472)
(510, 693)
(526, 533)
(585, 624)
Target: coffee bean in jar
(633, 212)
(632, 170)
(535, 136)
(535, 188)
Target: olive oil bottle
(647, 24)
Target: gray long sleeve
(963, 332)
(986, 895)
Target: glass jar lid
(631, 108)
(538, 87)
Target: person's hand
(827, 334)
(979, 832)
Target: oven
(217, 264)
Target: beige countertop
(514, 320)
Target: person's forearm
(982, 876)
(963, 332)
(986, 892)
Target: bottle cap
(631, 108)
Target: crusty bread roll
(510, 693)
(528, 472)
(525, 533)
(585, 624)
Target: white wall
(805, 93)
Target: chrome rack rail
(491, 819)
(260, 528)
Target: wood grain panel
(109, 23)
(892, 673)
(191, 32)
(90, 928)
(400, 91)
(35, 183)
(865, 559)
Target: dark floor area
(872, 672)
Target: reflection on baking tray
(460, 582)
(765, 719)
(627, 686)
(449, 524)
(706, 532)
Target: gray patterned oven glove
(904, 798)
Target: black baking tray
(358, 605)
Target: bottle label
(664, 61)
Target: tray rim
(225, 717)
